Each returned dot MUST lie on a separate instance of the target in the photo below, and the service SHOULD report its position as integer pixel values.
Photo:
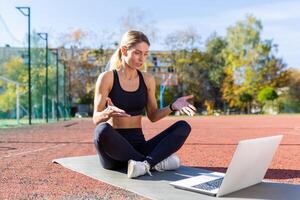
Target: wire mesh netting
(49, 95)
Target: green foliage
(273, 73)
(170, 94)
(214, 47)
(246, 97)
(200, 73)
(241, 56)
(290, 105)
(16, 71)
(289, 100)
(234, 69)
(294, 84)
(267, 94)
(87, 99)
(250, 62)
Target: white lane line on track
(36, 150)
(292, 133)
(32, 151)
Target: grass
(12, 123)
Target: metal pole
(18, 102)
(44, 36)
(161, 95)
(47, 77)
(53, 109)
(29, 68)
(55, 52)
(57, 116)
(29, 60)
(162, 90)
(70, 98)
(44, 107)
(64, 90)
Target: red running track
(26, 154)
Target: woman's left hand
(183, 106)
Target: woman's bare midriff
(126, 122)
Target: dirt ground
(26, 170)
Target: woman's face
(136, 55)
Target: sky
(100, 18)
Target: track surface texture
(26, 171)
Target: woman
(121, 94)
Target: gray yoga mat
(157, 186)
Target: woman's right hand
(113, 111)
(183, 106)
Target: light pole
(162, 90)
(55, 52)
(69, 97)
(27, 14)
(64, 63)
(44, 36)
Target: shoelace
(159, 167)
(147, 167)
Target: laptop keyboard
(210, 185)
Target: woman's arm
(102, 113)
(101, 93)
(154, 114)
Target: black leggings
(116, 146)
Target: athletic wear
(116, 147)
(119, 148)
(170, 163)
(137, 168)
(132, 102)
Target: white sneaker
(170, 163)
(137, 168)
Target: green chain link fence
(14, 103)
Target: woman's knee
(106, 165)
(100, 130)
(183, 127)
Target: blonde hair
(129, 39)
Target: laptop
(248, 167)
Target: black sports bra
(133, 102)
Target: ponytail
(115, 61)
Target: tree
(38, 76)
(14, 70)
(267, 94)
(251, 63)
(200, 73)
(241, 56)
(214, 47)
(246, 99)
(294, 84)
(84, 64)
(182, 54)
(290, 96)
(274, 72)
(216, 63)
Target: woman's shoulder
(105, 77)
(148, 78)
(147, 75)
(106, 74)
